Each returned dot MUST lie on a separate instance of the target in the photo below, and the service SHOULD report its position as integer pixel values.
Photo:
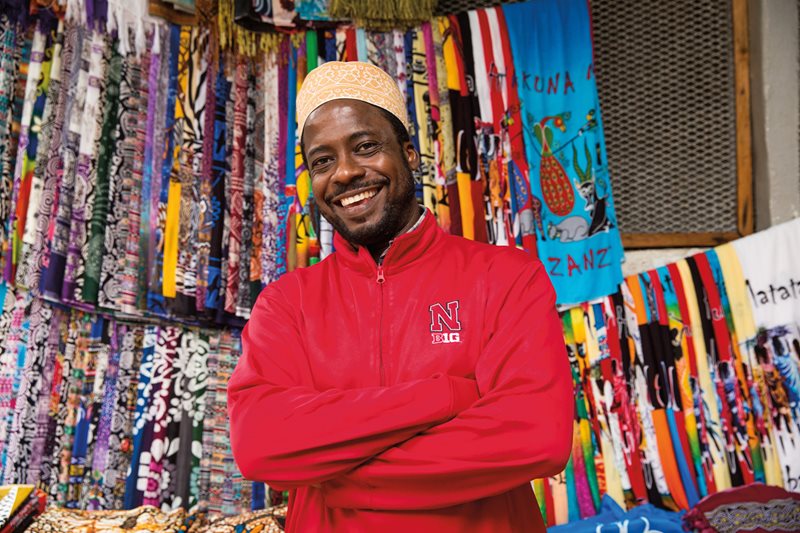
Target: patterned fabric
(60, 224)
(37, 77)
(111, 293)
(56, 520)
(42, 185)
(97, 225)
(270, 520)
(234, 193)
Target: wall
(775, 101)
(775, 86)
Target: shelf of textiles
(161, 176)
(105, 414)
(687, 381)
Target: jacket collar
(404, 250)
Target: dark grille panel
(666, 82)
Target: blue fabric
(258, 496)
(671, 300)
(142, 400)
(613, 519)
(579, 241)
(680, 458)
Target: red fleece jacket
(421, 395)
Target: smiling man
(413, 380)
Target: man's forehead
(344, 118)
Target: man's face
(360, 174)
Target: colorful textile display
(678, 394)
(119, 414)
(133, 204)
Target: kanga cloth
(769, 262)
(756, 507)
(570, 185)
(146, 518)
(271, 520)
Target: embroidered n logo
(441, 318)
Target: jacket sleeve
(520, 429)
(288, 434)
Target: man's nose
(347, 170)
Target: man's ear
(412, 156)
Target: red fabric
(341, 395)
(350, 45)
(724, 353)
(456, 36)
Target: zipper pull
(380, 278)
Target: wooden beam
(676, 240)
(744, 150)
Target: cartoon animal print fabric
(577, 235)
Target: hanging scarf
(28, 273)
(102, 440)
(97, 228)
(193, 352)
(205, 223)
(207, 439)
(112, 291)
(89, 407)
(132, 286)
(36, 74)
(259, 136)
(120, 444)
(219, 174)
(243, 298)
(173, 204)
(581, 246)
(149, 217)
(9, 63)
(134, 486)
(236, 183)
(58, 231)
(164, 372)
(270, 256)
(37, 470)
(53, 428)
(85, 172)
(191, 167)
(30, 193)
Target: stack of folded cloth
(19, 505)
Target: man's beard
(387, 227)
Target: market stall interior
(152, 183)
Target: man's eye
(321, 161)
(367, 146)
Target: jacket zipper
(380, 280)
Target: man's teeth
(358, 197)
